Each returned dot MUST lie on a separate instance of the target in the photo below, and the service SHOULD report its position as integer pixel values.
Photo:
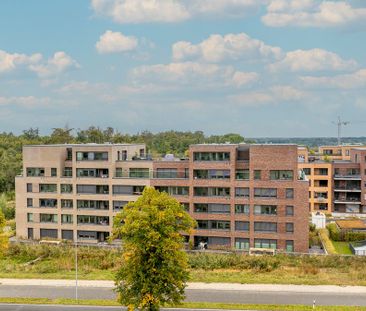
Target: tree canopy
(154, 267)
(3, 237)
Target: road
(250, 294)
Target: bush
(354, 236)
(334, 233)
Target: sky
(260, 68)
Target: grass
(191, 305)
(324, 236)
(342, 248)
(101, 264)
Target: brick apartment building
(337, 179)
(242, 196)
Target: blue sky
(254, 67)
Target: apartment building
(242, 196)
(337, 184)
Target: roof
(84, 145)
(351, 224)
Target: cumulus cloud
(9, 61)
(217, 48)
(345, 81)
(55, 65)
(194, 74)
(312, 13)
(115, 42)
(275, 95)
(169, 11)
(313, 60)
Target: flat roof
(84, 145)
(351, 224)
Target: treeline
(157, 144)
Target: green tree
(3, 236)
(154, 267)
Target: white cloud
(193, 74)
(59, 63)
(25, 101)
(346, 81)
(313, 60)
(9, 62)
(114, 42)
(312, 13)
(275, 95)
(219, 48)
(170, 11)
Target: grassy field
(191, 305)
(342, 248)
(57, 262)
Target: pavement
(195, 292)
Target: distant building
(242, 196)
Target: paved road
(203, 295)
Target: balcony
(347, 177)
(347, 199)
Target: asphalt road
(228, 296)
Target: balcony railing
(347, 176)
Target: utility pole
(339, 124)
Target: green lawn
(342, 248)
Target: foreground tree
(3, 237)
(154, 268)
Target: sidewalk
(200, 286)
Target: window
(289, 246)
(35, 171)
(49, 203)
(242, 174)
(211, 192)
(289, 210)
(242, 192)
(265, 243)
(48, 218)
(174, 190)
(212, 208)
(265, 209)
(307, 171)
(139, 173)
(68, 172)
(119, 172)
(66, 219)
(242, 225)
(93, 220)
(241, 243)
(265, 192)
(69, 154)
(29, 217)
(66, 188)
(242, 209)
(30, 233)
(289, 227)
(67, 234)
(87, 235)
(211, 174)
(91, 156)
(53, 172)
(29, 202)
(136, 190)
(66, 203)
(47, 188)
(29, 187)
(257, 174)
(93, 204)
(261, 226)
(92, 189)
(119, 205)
(281, 175)
(289, 193)
(48, 233)
(211, 156)
(185, 206)
(92, 172)
(213, 224)
(166, 173)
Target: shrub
(334, 233)
(354, 236)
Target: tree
(154, 266)
(3, 237)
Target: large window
(261, 226)
(93, 220)
(242, 174)
(242, 225)
(139, 173)
(66, 219)
(211, 174)
(66, 203)
(93, 204)
(66, 188)
(52, 203)
(281, 175)
(47, 188)
(241, 243)
(213, 224)
(212, 208)
(48, 218)
(166, 173)
(242, 192)
(119, 205)
(211, 192)
(242, 209)
(265, 192)
(265, 243)
(91, 156)
(92, 189)
(173, 190)
(35, 171)
(211, 156)
(68, 172)
(265, 209)
(92, 172)
(130, 190)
